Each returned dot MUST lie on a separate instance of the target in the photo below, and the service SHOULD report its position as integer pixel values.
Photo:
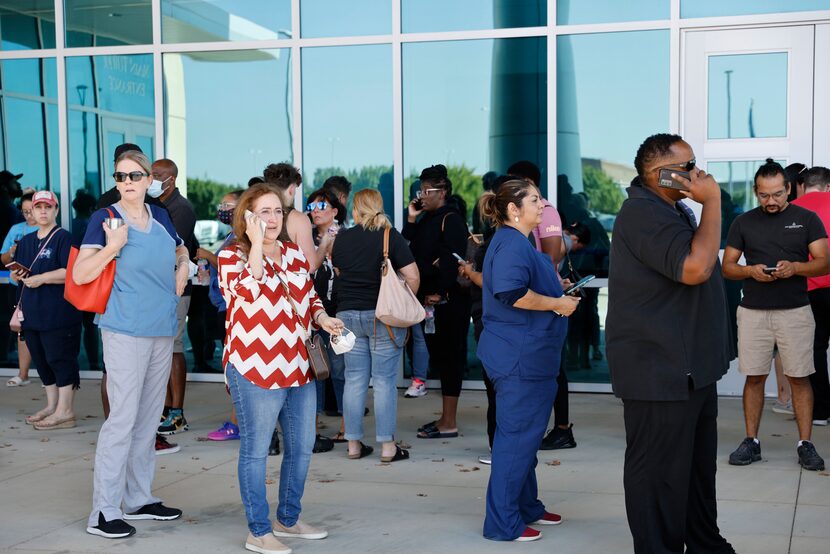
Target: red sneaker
(530, 534)
(548, 519)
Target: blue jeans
(338, 379)
(257, 410)
(374, 355)
(420, 354)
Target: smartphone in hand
(262, 224)
(665, 180)
(15, 266)
(769, 270)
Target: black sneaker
(747, 452)
(157, 511)
(809, 458)
(322, 444)
(174, 423)
(559, 438)
(114, 529)
(274, 447)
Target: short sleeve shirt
(818, 202)
(551, 225)
(769, 238)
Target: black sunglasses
(688, 166)
(120, 176)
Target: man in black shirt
(777, 239)
(668, 344)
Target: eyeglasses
(688, 166)
(267, 213)
(120, 176)
(27, 212)
(226, 206)
(317, 206)
(426, 192)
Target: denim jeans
(420, 354)
(338, 379)
(377, 356)
(257, 410)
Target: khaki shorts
(759, 331)
(181, 316)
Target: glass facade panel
(429, 16)
(709, 8)
(347, 130)
(221, 20)
(96, 23)
(748, 95)
(571, 12)
(598, 134)
(332, 18)
(27, 25)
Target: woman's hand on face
(253, 228)
(116, 237)
(182, 275)
(331, 325)
(566, 305)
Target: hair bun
(770, 161)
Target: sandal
(400, 454)
(436, 434)
(431, 426)
(16, 381)
(32, 419)
(364, 451)
(339, 437)
(45, 425)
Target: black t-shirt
(660, 333)
(323, 279)
(357, 255)
(769, 238)
(44, 307)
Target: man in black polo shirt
(668, 343)
(783, 245)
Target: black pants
(201, 327)
(448, 345)
(669, 479)
(561, 415)
(55, 354)
(820, 303)
(90, 339)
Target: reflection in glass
(424, 16)
(332, 18)
(572, 12)
(347, 118)
(736, 180)
(27, 25)
(110, 102)
(748, 95)
(224, 20)
(96, 23)
(218, 150)
(707, 8)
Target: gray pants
(125, 459)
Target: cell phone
(418, 204)
(767, 270)
(15, 266)
(262, 224)
(665, 181)
(580, 284)
(457, 257)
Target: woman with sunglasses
(137, 328)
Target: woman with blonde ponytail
(357, 257)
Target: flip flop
(400, 454)
(364, 451)
(31, 420)
(16, 381)
(436, 434)
(43, 425)
(431, 426)
(338, 438)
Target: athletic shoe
(417, 389)
(227, 432)
(157, 512)
(299, 530)
(783, 407)
(548, 518)
(266, 544)
(747, 452)
(821, 422)
(530, 534)
(809, 458)
(486, 460)
(559, 438)
(113, 529)
(175, 423)
(163, 447)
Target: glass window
(598, 133)
(332, 18)
(707, 8)
(95, 23)
(748, 95)
(571, 12)
(110, 102)
(424, 16)
(224, 20)
(27, 25)
(347, 118)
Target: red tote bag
(93, 296)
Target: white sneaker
(266, 544)
(821, 422)
(783, 408)
(417, 389)
(486, 460)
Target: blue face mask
(156, 188)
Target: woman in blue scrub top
(524, 330)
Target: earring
(516, 219)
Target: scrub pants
(521, 419)
(125, 458)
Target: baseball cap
(46, 196)
(126, 147)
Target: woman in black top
(434, 238)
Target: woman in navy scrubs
(524, 329)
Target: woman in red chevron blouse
(266, 363)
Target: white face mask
(156, 188)
(343, 343)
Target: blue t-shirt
(143, 299)
(17, 232)
(44, 307)
(523, 343)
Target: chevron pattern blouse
(263, 339)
